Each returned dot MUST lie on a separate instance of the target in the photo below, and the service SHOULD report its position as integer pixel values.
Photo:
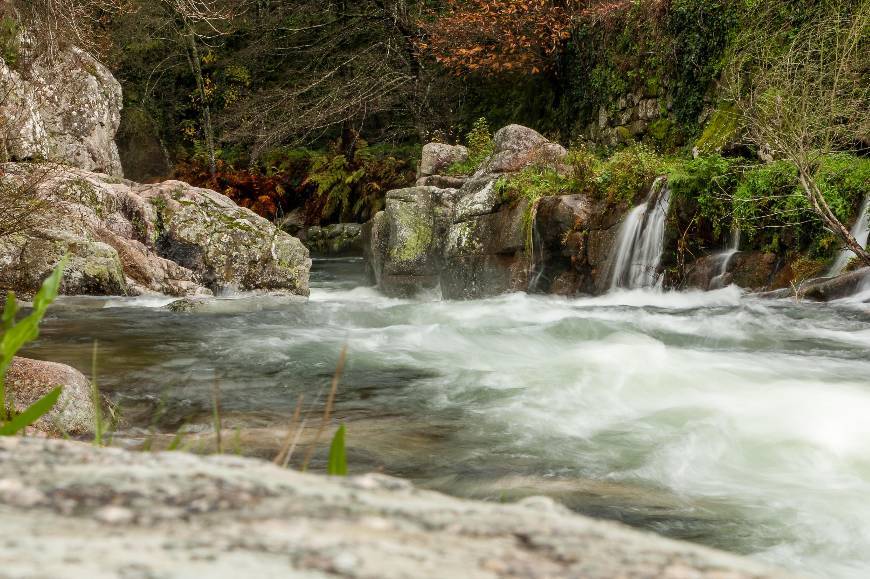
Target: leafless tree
(804, 94)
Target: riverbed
(716, 417)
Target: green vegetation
(479, 143)
(628, 173)
(337, 462)
(9, 41)
(15, 335)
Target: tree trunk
(207, 129)
(822, 208)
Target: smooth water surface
(716, 417)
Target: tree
(803, 95)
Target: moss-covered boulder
(130, 239)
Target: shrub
(479, 143)
(628, 173)
(704, 188)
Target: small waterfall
(641, 240)
(724, 258)
(860, 231)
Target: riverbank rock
(77, 510)
(129, 239)
(67, 110)
(29, 380)
(336, 240)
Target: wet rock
(437, 158)
(753, 270)
(224, 514)
(841, 286)
(237, 305)
(29, 380)
(128, 239)
(67, 110)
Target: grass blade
(327, 411)
(337, 465)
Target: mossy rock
(721, 130)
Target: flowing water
(640, 241)
(715, 417)
(860, 231)
(724, 258)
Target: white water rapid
(860, 231)
(716, 417)
(640, 241)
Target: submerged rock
(80, 508)
(29, 380)
(129, 239)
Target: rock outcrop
(129, 239)
(29, 380)
(73, 510)
(468, 240)
(338, 239)
(67, 110)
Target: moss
(721, 129)
(416, 243)
(623, 134)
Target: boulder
(841, 286)
(129, 239)
(74, 510)
(29, 380)
(437, 158)
(338, 239)
(67, 110)
(515, 147)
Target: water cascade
(724, 259)
(860, 232)
(641, 240)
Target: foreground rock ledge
(71, 510)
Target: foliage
(15, 335)
(325, 184)
(771, 207)
(705, 186)
(803, 96)
(479, 144)
(628, 173)
(495, 36)
(337, 462)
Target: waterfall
(724, 259)
(860, 232)
(641, 239)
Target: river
(715, 417)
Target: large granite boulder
(438, 157)
(515, 147)
(29, 380)
(67, 109)
(72, 510)
(130, 239)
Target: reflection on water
(716, 417)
